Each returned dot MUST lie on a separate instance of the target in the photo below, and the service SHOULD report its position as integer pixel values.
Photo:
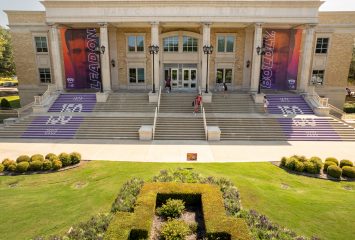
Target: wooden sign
(191, 157)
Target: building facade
(293, 43)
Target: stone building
(236, 30)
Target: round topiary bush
(37, 157)
(317, 162)
(283, 161)
(36, 166)
(6, 162)
(56, 164)
(300, 158)
(23, 158)
(173, 208)
(327, 164)
(311, 167)
(345, 162)
(175, 230)
(2, 167)
(22, 167)
(332, 159)
(290, 163)
(65, 159)
(47, 165)
(349, 172)
(334, 171)
(11, 167)
(299, 166)
(75, 157)
(49, 156)
(5, 104)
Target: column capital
(207, 24)
(156, 23)
(103, 24)
(310, 26)
(258, 25)
(52, 25)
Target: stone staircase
(233, 103)
(177, 102)
(126, 102)
(288, 104)
(74, 102)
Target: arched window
(189, 44)
(171, 44)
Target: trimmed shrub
(283, 161)
(22, 167)
(49, 156)
(300, 158)
(334, 171)
(310, 167)
(47, 165)
(23, 158)
(317, 162)
(346, 163)
(327, 164)
(349, 107)
(347, 172)
(75, 158)
(57, 164)
(299, 166)
(65, 159)
(173, 208)
(291, 162)
(332, 159)
(6, 162)
(5, 104)
(12, 167)
(36, 166)
(175, 230)
(37, 157)
(2, 167)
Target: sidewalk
(175, 151)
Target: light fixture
(153, 49)
(102, 49)
(207, 50)
(260, 51)
(113, 63)
(248, 63)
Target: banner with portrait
(81, 60)
(279, 67)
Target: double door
(185, 78)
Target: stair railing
(204, 121)
(155, 121)
(338, 111)
(313, 95)
(40, 100)
(159, 95)
(25, 110)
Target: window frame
(194, 47)
(137, 81)
(175, 37)
(45, 75)
(321, 49)
(35, 44)
(135, 35)
(224, 74)
(319, 72)
(225, 37)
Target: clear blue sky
(329, 5)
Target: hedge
(334, 171)
(23, 158)
(327, 164)
(2, 167)
(349, 107)
(332, 159)
(218, 224)
(349, 172)
(346, 163)
(22, 167)
(37, 157)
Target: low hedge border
(218, 224)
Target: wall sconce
(113, 63)
(248, 63)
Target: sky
(329, 5)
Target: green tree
(352, 68)
(7, 65)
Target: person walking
(266, 104)
(168, 84)
(197, 103)
(225, 89)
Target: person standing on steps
(225, 89)
(168, 84)
(197, 103)
(266, 104)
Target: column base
(146, 133)
(258, 97)
(153, 97)
(206, 97)
(101, 96)
(213, 133)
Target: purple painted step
(287, 104)
(74, 103)
(308, 129)
(58, 127)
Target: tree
(7, 65)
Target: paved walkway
(175, 151)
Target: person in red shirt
(197, 103)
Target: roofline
(22, 11)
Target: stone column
(255, 71)
(155, 41)
(105, 58)
(56, 57)
(306, 61)
(112, 33)
(206, 40)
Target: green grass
(49, 204)
(14, 101)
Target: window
(45, 75)
(189, 44)
(224, 75)
(136, 75)
(171, 44)
(318, 77)
(41, 44)
(322, 45)
(136, 44)
(225, 44)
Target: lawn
(48, 204)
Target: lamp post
(261, 52)
(99, 51)
(153, 49)
(207, 50)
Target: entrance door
(175, 78)
(189, 78)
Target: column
(105, 58)
(255, 71)
(112, 35)
(206, 40)
(306, 61)
(155, 41)
(56, 57)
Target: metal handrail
(155, 121)
(159, 98)
(204, 122)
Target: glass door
(175, 77)
(189, 78)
